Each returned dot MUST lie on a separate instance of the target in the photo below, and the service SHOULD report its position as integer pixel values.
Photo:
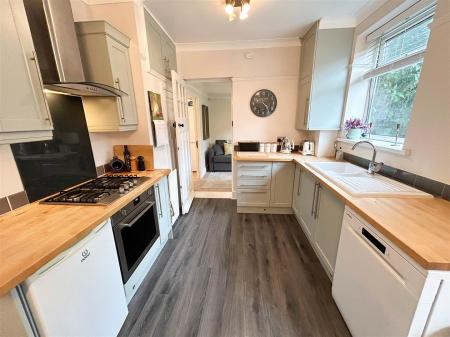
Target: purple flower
(355, 123)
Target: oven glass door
(134, 238)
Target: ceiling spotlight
(245, 5)
(231, 4)
(229, 7)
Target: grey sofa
(217, 160)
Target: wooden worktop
(418, 226)
(33, 235)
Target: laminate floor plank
(233, 275)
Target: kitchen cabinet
(264, 187)
(162, 56)
(320, 214)
(281, 184)
(329, 214)
(323, 75)
(24, 115)
(296, 190)
(163, 208)
(306, 202)
(105, 56)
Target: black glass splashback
(47, 167)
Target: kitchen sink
(357, 182)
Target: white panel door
(180, 107)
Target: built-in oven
(135, 229)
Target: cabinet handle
(251, 176)
(38, 71)
(316, 211)
(159, 200)
(253, 191)
(314, 200)
(306, 116)
(119, 99)
(253, 166)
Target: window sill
(380, 145)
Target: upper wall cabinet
(105, 57)
(162, 55)
(323, 75)
(24, 114)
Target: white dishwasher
(375, 288)
(80, 292)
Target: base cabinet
(265, 186)
(281, 184)
(320, 214)
(164, 209)
(329, 214)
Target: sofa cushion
(222, 159)
(218, 150)
(228, 148)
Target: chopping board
(145, 151)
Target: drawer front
(253, 179)
(254, 166)
(253, 197)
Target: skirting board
(265, 210)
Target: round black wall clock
(263, 103)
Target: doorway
(212, 142)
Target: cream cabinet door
(123, 80)
(303, 104)
(329, 214)
(308, 52)
(24, 114)
(307, 199)
(296, 190)
(282, 184)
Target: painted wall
(248, 126)
(274, 68)
(428, 136)
(220, 119)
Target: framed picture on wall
(205, 120)
(159, 127)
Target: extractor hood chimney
(55, 40)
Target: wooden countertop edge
(352, 203)
(7, 284)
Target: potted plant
(355, 128)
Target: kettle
(308, 148)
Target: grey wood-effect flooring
(235, 275)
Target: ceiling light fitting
(231, 4)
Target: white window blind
(400, 46)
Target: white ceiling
(192, 21)
(213, 88)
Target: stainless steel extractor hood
(55, 40)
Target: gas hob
(99, 191)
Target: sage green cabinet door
(123, 80)
(303, 104)
(154, 45)
(23, 104)
(306, 202)
(296, 190)
(308, 52)
(330, 212)
(169, 56)
(282, 184)
(163, 208)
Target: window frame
(418, 19)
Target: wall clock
(263, 103)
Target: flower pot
(354, 133)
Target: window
(397, 57)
